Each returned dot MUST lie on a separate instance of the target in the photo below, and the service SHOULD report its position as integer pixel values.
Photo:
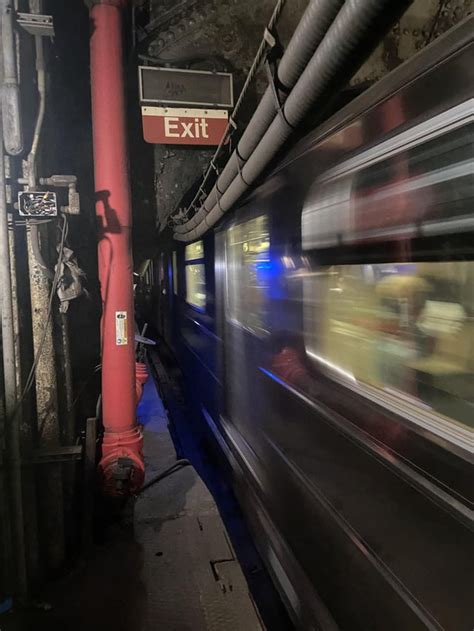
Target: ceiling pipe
(121, 465)
(308, 34)
(357, 29)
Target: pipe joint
(121, 466)
(141, 377)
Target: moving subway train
(326, 329)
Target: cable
(85, 384)
(177, 466)
(350, 38)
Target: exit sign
(179, 126)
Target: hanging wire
(267, 42)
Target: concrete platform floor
(192, 578)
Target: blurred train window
(427, 188)
(175, 272)
(404, 328)
(149, 276)
(195, 275)
(432, 182)
(194, 251)
(248, 265)
(146, 275)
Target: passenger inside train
(405, 328)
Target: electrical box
(37, 204)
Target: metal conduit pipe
(121, 465)
(12, 125)
(12, 405)
(350, 39)
(41, 79)
(309, 33)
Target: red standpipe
(121, 465)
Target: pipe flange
(122, 467)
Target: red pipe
(141, 377)
(122, 465)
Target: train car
(326, 331)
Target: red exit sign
(178, 126)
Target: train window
(146, 275)
(195, 275)
(194, 251)
(248, 264)
(175, 273)
(404, 328)
(149, 276)
(427, 188)
(412, 184)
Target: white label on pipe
(121, 326)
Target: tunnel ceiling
(225, 34)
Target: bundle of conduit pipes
(330, 43)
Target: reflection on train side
(422, 191)
(248, 266)
(406, 328)
(195, 275)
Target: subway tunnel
(237, 298)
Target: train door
(161, 291)
(166, 296)
(220, 282)
(246, 320)
(173, 297)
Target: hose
(310, 31)
(349, 40)
(177, 466)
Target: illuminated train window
(195, 275)
(248, 265)
(406, 329)
(175, 272)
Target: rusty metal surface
(424, 21)
(46, 386)
(50, 489)
(190, 574)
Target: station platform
(190, 573)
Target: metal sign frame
(228, 105)
(191, 126)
